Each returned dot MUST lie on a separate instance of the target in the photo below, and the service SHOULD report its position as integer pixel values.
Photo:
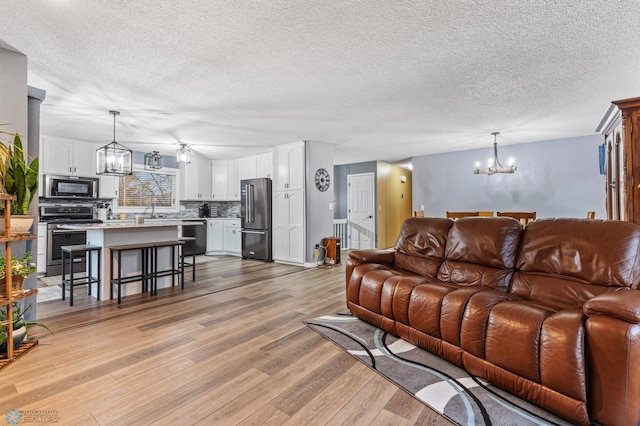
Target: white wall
(558, 178)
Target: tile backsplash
(216, 208)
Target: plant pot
(18, 224)
(16, 282)
(18, 336)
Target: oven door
(57, 238)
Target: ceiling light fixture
(114, 159)
(493, 165)
(183, 154)
(153, 161)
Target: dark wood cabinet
(620, 126)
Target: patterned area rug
(449, 390)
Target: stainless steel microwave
(76, 187)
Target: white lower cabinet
(288, 226)
(215, 236)
(232, 237)
(41, 261)
(223, 236)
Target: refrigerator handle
(248, 189)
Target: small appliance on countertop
(203, 210)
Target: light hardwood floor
(229, 349)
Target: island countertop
(124, 225)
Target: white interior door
(361, 211)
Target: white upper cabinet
(219, 179)
(289, 166)
(247, 168)
(195, 179)
(233, 183)
(68, 157)
(108, 186)
(256, 166)
(225, 182)
(264, 165)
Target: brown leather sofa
(549, 312)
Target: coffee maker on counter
(203, 210)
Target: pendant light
(183, 154)
(493, 165)
(153, 161)
(114, 159)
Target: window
(144, 188)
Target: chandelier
(153, 161)
(493, 165)
(114, 159)
(183, 154)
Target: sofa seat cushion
(372, 288)
(434, 308)
(540, 344)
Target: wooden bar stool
(146, 251)
(71, 251)
(190, 244)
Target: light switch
(422, 207)
(330, 206)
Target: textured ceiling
(378, 79)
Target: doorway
(361, 211)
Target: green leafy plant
(22, 267)
(20, 177)
(17, 320)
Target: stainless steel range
(56, 238)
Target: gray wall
(558, 178)
(340, 188)
(319, 215)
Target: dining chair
(418, 213)
(523, 217)
(458, 215)
(591, 215)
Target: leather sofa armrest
(357, 257)
(624, 305)
(384, 257)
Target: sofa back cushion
(565, 262)
(481, 251)
(420, 245)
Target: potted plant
(20, 178)
(19, 326)
(20, 269)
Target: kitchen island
(111, 234)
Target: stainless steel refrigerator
(255, 214)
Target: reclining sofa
(549, 312)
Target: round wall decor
(322, 179)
